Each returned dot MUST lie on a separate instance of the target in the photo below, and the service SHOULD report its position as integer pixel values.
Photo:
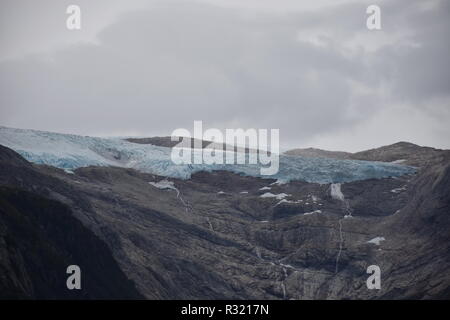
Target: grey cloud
(418, 71)
(159, 69)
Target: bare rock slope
(224, 236)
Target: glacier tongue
(68, 151)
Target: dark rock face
(39, 239)
(217, 238)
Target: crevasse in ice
(68, 151)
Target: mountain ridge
(400, 152)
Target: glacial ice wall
(68, 151)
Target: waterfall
(336, 193)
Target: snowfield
(70, 152)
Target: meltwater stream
(336, 193)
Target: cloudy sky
(314, 70)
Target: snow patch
(287, 201)
(288, 266)
(169, 185)
(312, 212)
(279, 196)
(376, 240)
(398, 190)
(164, 184)
(279, 182)
(336, 193)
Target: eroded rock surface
(215, 237)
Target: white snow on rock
(165, 185)
(169, 185)
(376, 240)
(265, 188)
(279, 196)
(312, 212)
(336, 193)
(398, 161)
(283, 201)
(287, 266)
(279, 182)
(398, 190)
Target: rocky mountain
(404, 152)
(40, 238)
(319, 153)
(222, 235)
(168, 143)
(401, 152)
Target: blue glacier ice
(69, 152)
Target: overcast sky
(314, 70)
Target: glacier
(69, 152)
